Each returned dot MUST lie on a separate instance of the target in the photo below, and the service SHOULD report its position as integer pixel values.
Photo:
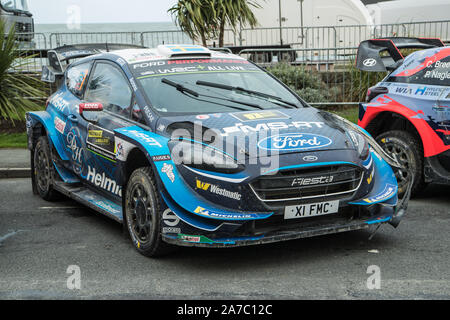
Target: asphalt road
(40, 240)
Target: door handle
(73, 118)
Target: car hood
(265, 132)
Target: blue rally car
(194, 147)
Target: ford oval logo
(294, 142)
(310, 158)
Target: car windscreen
(15, 5)
(196, 86)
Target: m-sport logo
(294, 142)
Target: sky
(100, 11)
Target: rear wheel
(408, 151)
(143, 214)
(43, 171)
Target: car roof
(167, 52)
(418, 60)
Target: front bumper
(379, 206)
(298, 230)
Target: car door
(443, 115)
(70, 124)
(109, 86)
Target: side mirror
(89, 107)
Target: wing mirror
(90, 107)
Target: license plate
(311, 210)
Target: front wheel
(143, 214)
(408, 151)
(43, 171)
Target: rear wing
(60, 58)
(372, 53)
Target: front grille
(319, 182)
(24, 27)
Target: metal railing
(324, 53)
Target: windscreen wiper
(180, 87)
(183, 89)
(242, 90)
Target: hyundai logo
(370, 62)
(294, 142)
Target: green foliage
(358, 82)
(13, 140)
(15, 85)
(306, 83)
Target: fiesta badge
(294, 142)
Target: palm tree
(16, 87)
(207, 19)
(234, 13)
(195, 17)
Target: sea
(106, 32)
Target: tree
(16, 87)
(196, 18)
(207, 19)
(234, 13)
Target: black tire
(408, 150)
(44, 172)
(142, 214)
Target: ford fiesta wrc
(190, 146)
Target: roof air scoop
(179, 51)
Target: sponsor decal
(149, 114)
(133, 84)
(95, 133)
(101, 142)
(217, 190)
(168, 170)
(197, 239)
(59, 103)
(294, 142)
(119, 150)
(108, 207)
(60, 125)
(146, 138)
(103, 182)
(171, 230)
(388, 192)
(189, 238)
(165, 157)
(312, 181)
(241, 128)
(170, 218)
(436, 74)
(194, 66)
(263, 115)
(121, 62)
(202, 117)
(203, 211)
(74, 145)
(122, 149)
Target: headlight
(203, 157)
(368, 138)
(360, 143)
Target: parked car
(193, 147)
(409, 111)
